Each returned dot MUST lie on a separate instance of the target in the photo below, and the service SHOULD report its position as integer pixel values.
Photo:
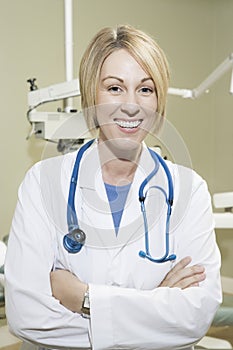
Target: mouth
(129, 124)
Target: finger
(184, 280)
(172, 280)
(178, 267)
(192, 281)
(181, 265)
(189, 272)
(196, 284)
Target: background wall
(196, 36)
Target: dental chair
(2, 297)
(3, 248)
(7, 340)
(222, 326)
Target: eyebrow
(121, 80)
(113, 77)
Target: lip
(128, 126)
(128, 123)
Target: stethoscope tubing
(169, 201)
(72, 220)
(75, 233)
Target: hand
(68, 289)
(182, 276)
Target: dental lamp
(64, 127)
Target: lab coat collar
(90, 169)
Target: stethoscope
(74, 240)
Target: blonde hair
(144, 50)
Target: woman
(107, 296)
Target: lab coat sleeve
(164, 318)
(33, 313)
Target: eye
(145, 90)
(115, 89)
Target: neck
(118, 164)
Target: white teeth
(128, 124)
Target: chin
(124, 147)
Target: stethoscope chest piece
(74, 240)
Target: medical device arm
(55, 92)
(226, 65)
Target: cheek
(149, 103)
(153, 104)
(103, 98)
(106, 111)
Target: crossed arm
(69, 290)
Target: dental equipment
(209, 81)
(223, 201)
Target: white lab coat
(128, 311)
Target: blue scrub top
(117, 196)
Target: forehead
(121, 62)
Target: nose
(131, 109)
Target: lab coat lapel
(95, 212)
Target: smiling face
(126, 99)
